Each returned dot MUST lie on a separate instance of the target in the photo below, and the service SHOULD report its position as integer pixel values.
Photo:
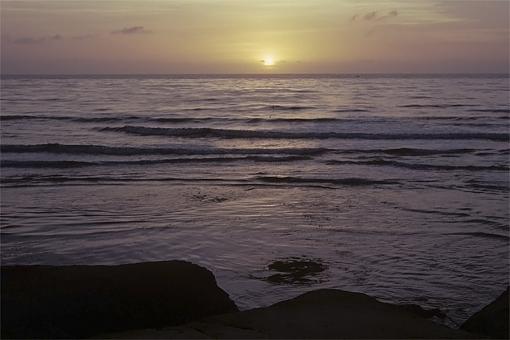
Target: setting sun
(269, 61)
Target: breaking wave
(274, 134)
(420, 166)
(218, 160)
(134, 151)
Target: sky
(245, 36)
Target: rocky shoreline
(178, 299)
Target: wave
(171, 119)
(183, 120)
(489, 186)
(198, 109)
(241, 120)
(273, 134)
(477, 124)
(69, 118)
(351, 110)
(482, 235)
(409, 151)
(491, 110)
(211, 99)
(336, 181)
(274, 107)
(30, 117)
(89, 149)
(420, 97)
(421, 166)
(297, 120)
(63, 179)
(457, 118)
(289, 107)
(75, 164)
(102, 119)
(436, 105)
(43, 164)
(436, 212)
(255, 181)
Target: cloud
(27, 40)
(390, 14)
(84, 36)
(374, 16)
(132, 30)
(370, 16)
(34, 40)
(375, 19)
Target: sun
(268, 60)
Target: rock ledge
(82, 301)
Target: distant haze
(233, 36)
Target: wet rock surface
(295, 270)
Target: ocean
(397, 184)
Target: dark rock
(295, 270)
(426, 313)
(492, 320)
(320, 314)
(82, 301)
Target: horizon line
(257, 74)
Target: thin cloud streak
(374, 16)
(34, 40)
(370, 16)
(84, 37)
(132, 30)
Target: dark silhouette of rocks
(492, 320)
(426, 313)
(319, 314)
(177, 299)
(82, 301)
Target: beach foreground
(177, 299)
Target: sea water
(397, 184)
